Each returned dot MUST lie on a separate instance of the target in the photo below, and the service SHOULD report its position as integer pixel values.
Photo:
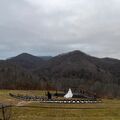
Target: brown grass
(108, 110)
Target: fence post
(3, 112)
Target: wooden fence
(5, 112)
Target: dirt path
(23, 103)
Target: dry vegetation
(108, 110)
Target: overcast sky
(50, 27)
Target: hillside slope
(73, 69)
(27, 61)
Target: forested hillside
(73, 69)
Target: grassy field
(108, 110)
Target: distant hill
(46, 57)
(73, 69)
(27, 61)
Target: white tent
(69, 94)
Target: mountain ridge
(72, 69)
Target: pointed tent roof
(69, 94)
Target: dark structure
(81, 93)
(78, 93)
(49, 95)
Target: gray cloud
(52, 27)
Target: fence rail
(43, 99)
(5, 112)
